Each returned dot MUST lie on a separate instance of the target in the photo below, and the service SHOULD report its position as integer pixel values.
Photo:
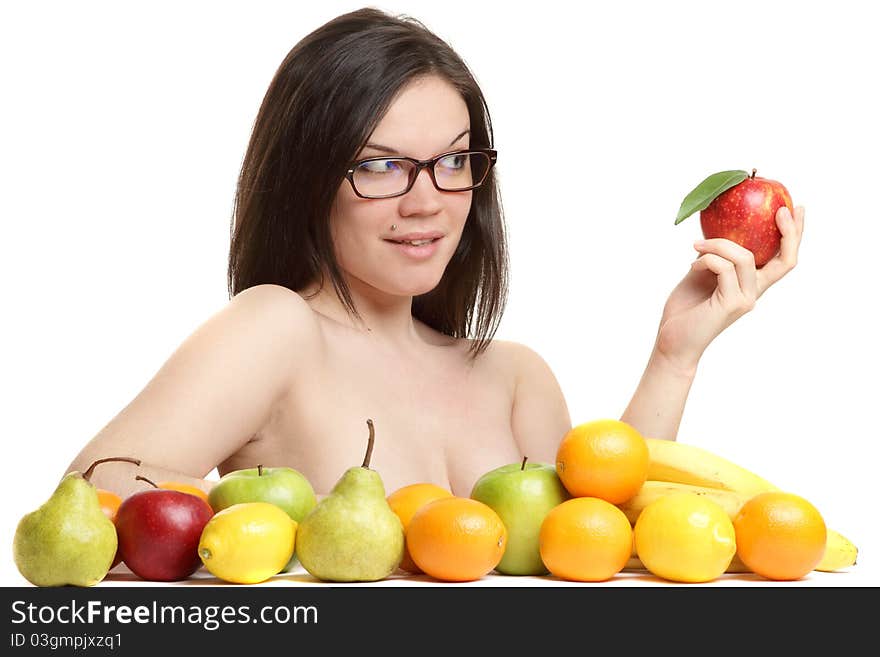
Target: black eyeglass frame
(491, 153)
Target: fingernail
(699, 243)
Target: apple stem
(88, 473)
(366, 463)
(259, 469)
(525, 458)
(140, 478)
(754, 171)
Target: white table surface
(852, 577)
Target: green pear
(352, 535)
(68, 540)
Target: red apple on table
(746, 214)
(159, 531)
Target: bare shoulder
(522, 369)
(539, 416)
(516, 360)
(273, 325)
(276, 311)
(271, 295)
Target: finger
(727, 288)
(743, 261)
(791, 227)
(799, 219)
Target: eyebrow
(394, 151)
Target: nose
(423, 197)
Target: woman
(368, 274)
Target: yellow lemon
(248, 543)
(684, 537)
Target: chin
(418, 290)
(414, 286)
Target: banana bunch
(676, 467)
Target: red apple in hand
(746, 214)
(159, 531)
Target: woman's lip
(418, 252)
(415, 236)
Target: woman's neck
(382, 316)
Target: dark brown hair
(322, 104)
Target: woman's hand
(722, 285)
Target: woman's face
(428, 117)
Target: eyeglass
(386, 177)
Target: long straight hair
(322, 104)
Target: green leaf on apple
(703, 194)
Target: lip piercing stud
(393, 226)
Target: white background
(123, 130)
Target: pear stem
(525, 458)
(88, 473)
(754, 171)
(366, 463)
(259, 469)
(140, 478)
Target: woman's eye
(453, 162)
(381, 166)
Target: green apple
(521, 494)
(282, 486)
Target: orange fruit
(405, 502)
(184, 488)
(685, 537)
(109, 502)
(585, 539)
(779, 535)
(604, 458)
(456, 539)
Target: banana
(840, 553)
(671, 460)
(681, 463)
(650, 491)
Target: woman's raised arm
(722, 285)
